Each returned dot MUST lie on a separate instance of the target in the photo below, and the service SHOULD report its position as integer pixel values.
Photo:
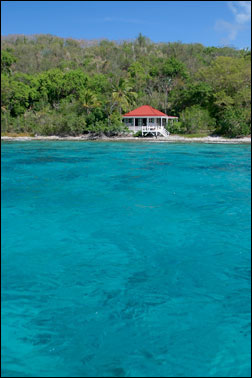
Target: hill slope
(53, 85)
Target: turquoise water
(125, 259)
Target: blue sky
(212, 23)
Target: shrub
(196, 119)
(138, 134)
(98, 127)
(176, 128)
(234, 122)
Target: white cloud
(231, 31)
(241, 11)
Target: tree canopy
(53, 85)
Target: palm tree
(88, 100)
(123, 96)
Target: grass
(17, 134)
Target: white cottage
(148, 120)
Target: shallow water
(125, 259)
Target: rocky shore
(170, 139)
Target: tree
(123, 96)
(196, 119)
(227, 74)
(88, 100)
(50, 82)
(7, 60)
(74, 82)
(198, 93)
(167, 74)
(51, 85)
(142, 41)
(15, 96)
(234, 122)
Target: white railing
(140, 126)
(152, 128)
(156, 129)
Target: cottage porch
(148, 120)
(149, 125)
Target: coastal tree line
(57, 86)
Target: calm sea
(125, 259)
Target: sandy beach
(170, 139)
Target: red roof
(145, 111)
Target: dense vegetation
(57, 86)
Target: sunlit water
(125, 259)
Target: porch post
(134, 123)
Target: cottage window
(128, 121)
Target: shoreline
(170, 139)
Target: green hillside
(58, 86)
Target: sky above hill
(212, 23)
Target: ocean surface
(125, 259)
